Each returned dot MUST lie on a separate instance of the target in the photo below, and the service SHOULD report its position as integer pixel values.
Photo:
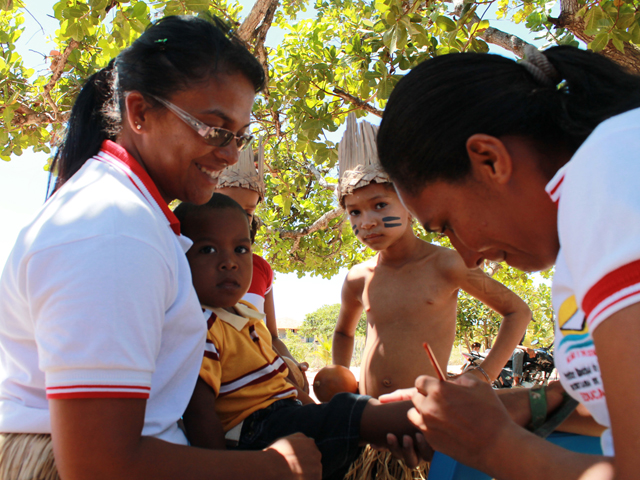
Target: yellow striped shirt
(240, 365)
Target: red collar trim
(119, 153)
(554, 187)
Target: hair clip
(161, 40)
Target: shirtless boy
(409, 289)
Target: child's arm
(344, 333)
(202, 424)
(270, 313)
(516, 314)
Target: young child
(245, 184)
(243, 392)
(409, 289)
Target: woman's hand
(301, 454)
(455, 417)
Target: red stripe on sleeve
(611, 283)
(64, 396)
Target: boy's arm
(343, 335)
(202, 424)
(515, 312)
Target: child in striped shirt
(243, 399)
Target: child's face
(377, 217)
(247, 198)
(220, 258)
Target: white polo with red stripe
(598, 266)
(96, 301)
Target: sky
(23, 180)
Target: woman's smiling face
(180, 162)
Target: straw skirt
(27, 456)
(375, 465)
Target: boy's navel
(386, 382)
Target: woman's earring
(138, 126)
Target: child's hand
(411, 451)
(302, 456)
(397, 396)
(304, 366)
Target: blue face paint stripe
(390, 219)
(390, 225)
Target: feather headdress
(244, 174)
(358, 158)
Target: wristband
(538, 406)
(486, 375)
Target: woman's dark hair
(186, 211)
(172, 55)
(437, 106)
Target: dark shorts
(335, 427)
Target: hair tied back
(539, 66)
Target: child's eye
(207, 250)
(242, 250)
(381, 205)
(354, 213)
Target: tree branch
(510, 42)
(248, 30)
(58, 63)
(630, 59)
(361, 104)
(316, 173)
(320, 224)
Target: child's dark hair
(186, 211)
(172, 55)
(437, 106)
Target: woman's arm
(99, 439)
(615, 339)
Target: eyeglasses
(218, 137)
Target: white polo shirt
(96, 301)
(598, 266)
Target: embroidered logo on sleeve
(571, 320)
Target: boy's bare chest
(407, 292)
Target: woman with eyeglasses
(101, 332)
(536, 164)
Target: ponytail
(88, 125)
(437, 106)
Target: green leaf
(599, 42)
(619, 44)
(635, 34)
(446, 24)
(197, 5)
(402, 36)
(139, 9)
(73, 12)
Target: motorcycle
(538, 370)
(535, 370)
